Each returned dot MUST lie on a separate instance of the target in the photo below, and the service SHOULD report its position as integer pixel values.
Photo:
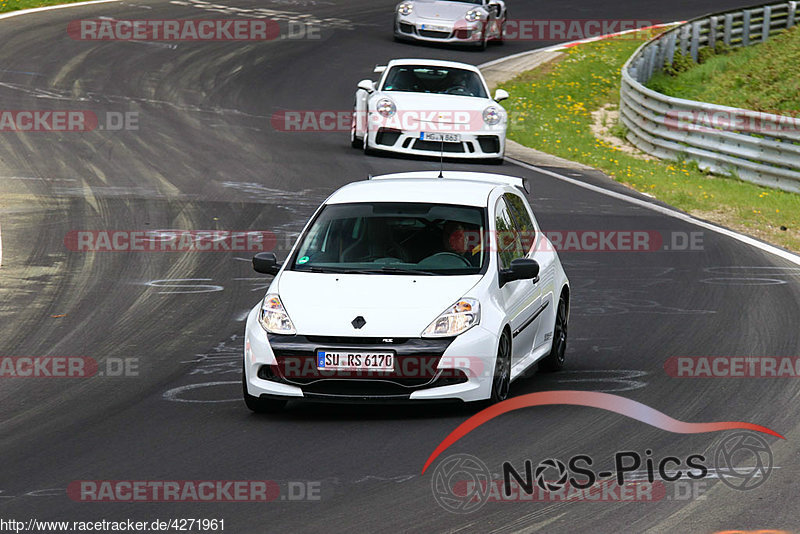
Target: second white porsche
(429, 108)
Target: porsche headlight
(455, 320)
(386, 107)
(473, 15)
(273, 317)
(491, 115)
(405, 8)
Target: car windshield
(434, 80)
(394, 238)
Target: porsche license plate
(446, 137)
(434, 28)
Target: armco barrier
(758, 147)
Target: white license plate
(446, 137)
(434, 28)
(346, 360)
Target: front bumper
(451, 369)
(413, 30)
(488, 143)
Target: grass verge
(551, 109)
(760, 77)
(15, 5)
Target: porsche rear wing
(514, 181)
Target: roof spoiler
(514, 181)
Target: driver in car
(461, 239)
(462, 83)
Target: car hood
(392, 305)
(442, 11)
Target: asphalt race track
(205, 156)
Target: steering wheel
(387, 260)
(457, 90)
(438, 255)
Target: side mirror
(266, 263)
(521, 269)
(500, 94)
(367, 85)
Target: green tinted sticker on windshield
(303, 259)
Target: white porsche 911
(409, 287)
(429, 108)
(474, 22)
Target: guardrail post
(727, 32)
(684, 39)
(746, 28)
(695, 40)
(791, 15)
(766, 23)
(649, 59)
(712, 32)
(669, 57)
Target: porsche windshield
(434, 80)
(394, 238)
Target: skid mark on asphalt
(631, 292)
(745, 275)
(222, 361)
(274, 14)
(616, 380)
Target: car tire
(355, 142)
(257, 404)
(484, 42)
(502, 38)
(555, 360)
(501, 380)
(365, 145)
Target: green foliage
(762, 77)
(680, 63)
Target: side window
(509, 246)
(527, 231)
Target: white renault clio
(409, 287)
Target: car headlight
(491, 115)
(405, 8)
(386, 107)
(273, 317)
(455, 320)
(473, 15)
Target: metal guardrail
(758, 147)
